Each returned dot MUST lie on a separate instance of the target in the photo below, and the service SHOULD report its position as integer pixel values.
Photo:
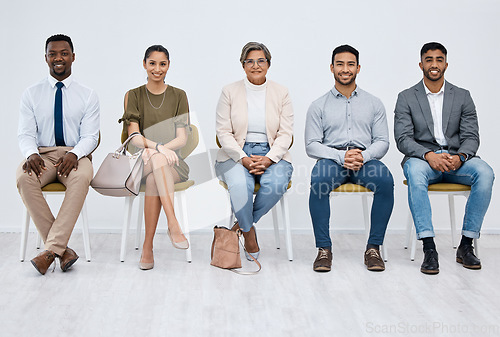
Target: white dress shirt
(256, 100)
(80, 117)
(436, 104)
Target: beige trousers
(55, 232)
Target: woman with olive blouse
(160, 114)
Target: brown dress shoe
(373, 260)
(67, 259)
(323, 262)
(43, 261)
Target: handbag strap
(121, 149)
(253, 258)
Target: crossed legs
(160, 186)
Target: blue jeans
(327, 175)
(475, 172)
(273, 184)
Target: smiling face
(156, 66)
(433, 64)
(345, 68)
(256, 73)
(59, 58)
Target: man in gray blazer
(436, 128)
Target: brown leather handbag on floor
(226, 252)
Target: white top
(436, 104)
(80, 117)
(256, 100)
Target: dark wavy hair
(345, 48)
(433, 46)
(156, 47)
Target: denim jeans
(273, 184)
(475, 172)
(327, 175)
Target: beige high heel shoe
(146, 265)
(179, 245)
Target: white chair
(55, 189)
(365, 193)
(451, 190)
(180, 205)
(285, 219)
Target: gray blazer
(414, 126)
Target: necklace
(163, 99)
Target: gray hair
(251, 46)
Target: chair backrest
(191, 143)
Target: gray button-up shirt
(336, 121)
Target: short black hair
(433, 46)
(156, 47)
(345, 48)
(59, 37)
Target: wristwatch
(462, 158)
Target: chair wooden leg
(276, 225)
(24, 235)
(286, 224)
(451, 207)
(126, 224)
(140, 216)
(85, 232)
(185, 222)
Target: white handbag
(120, 173)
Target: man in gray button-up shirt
(346, 131)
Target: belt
(442, 148)
(347, 148)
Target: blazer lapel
(424, 105)
(447, 104)
(241, 112)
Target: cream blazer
(232, 121)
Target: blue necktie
(58, 118)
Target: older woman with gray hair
(254, 125)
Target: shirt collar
(427, 91)
(336, 93)
(67, 81)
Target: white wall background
(205, 39)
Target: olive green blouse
(158, 117)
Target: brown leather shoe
(43, 261)
(251, 243)
(373, 260)
(323, 262)
(67, 259)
